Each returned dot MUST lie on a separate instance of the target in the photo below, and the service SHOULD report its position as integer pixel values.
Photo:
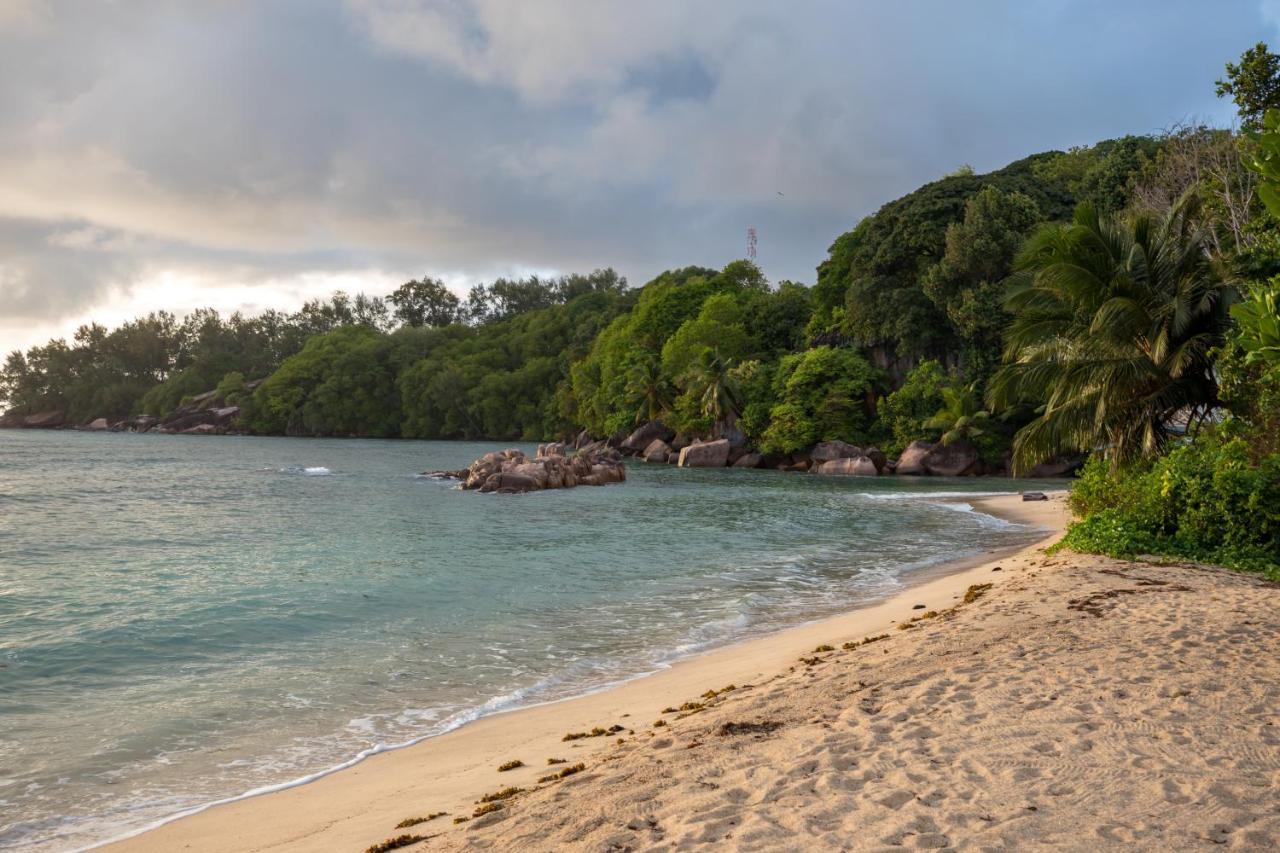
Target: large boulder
(509, 481)
(640, 440)
(44, 420)
(680, 442)
(732, 434)
(1058, 466)
(657, 451)
(184, 420)
(957, 459)
(706, 454)
(826, 451)
(554, 448)
(857, 466)
(911, 462)
(98, 425)
(141, 423)
(749, 460)
(876, 455)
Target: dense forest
(918, 285)
(1117, 299)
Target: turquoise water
(185, 619)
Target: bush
(1202, 501)
(904, 411)
(231, 389)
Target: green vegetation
(1114, 325)
(1205, 501)
(1213, 492)
(1119, 300)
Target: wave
(915, 496)
(315, 471)
(955, 502)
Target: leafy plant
(1204, 501)
(961, 417)
(1258, 319)
(1115, 322)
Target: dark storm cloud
(255, 141)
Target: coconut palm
(961, 415)
(648, 390)
(711, 381)
(1113, 324)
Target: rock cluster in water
(510, 471)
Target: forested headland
(1117, 299)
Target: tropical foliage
(1205, 500)
(1115, 322)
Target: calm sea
(187, 619)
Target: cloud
(234, 153)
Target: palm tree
(648, 390)
(1113, 324)
(710, 380)
(961, 416)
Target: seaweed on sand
(566, 772)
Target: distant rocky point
(203, 414)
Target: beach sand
(1078, 703)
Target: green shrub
(1203, 501)
(905, 410)
(231, 388)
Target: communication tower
(751, 243)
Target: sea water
(188, 619)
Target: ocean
(186, 619)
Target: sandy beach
(1068, 702)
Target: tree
(1253, 83)
(904, 412)
(822, 395)
(961, 417)
(1113, 326)
(648, 390)
(425, 302)
(968, 282)
(1197, 158)
(711, 382)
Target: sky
(175, 154)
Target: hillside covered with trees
(1117, 300)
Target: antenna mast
(751, 243)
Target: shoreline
(351, 804)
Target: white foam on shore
(956, 502)
(931, 496)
